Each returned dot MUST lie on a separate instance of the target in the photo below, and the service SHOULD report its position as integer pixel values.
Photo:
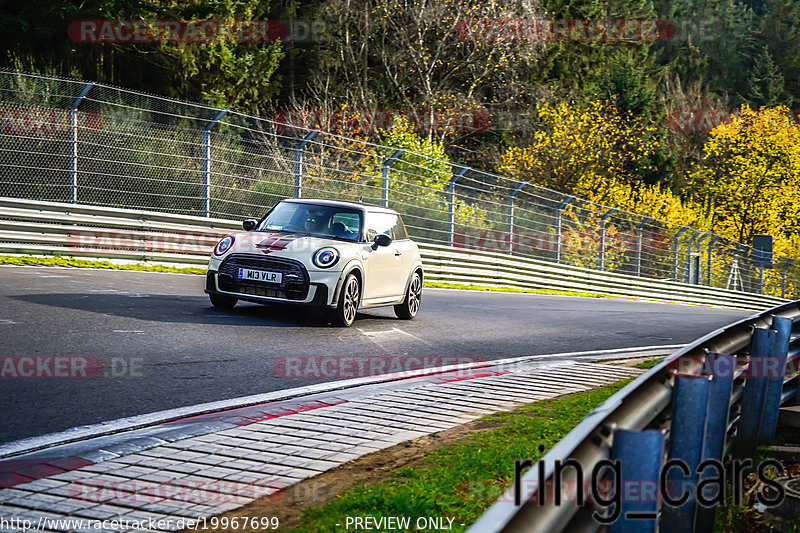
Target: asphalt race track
(154, 342)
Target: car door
(406, 250)
(384, 277)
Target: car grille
(294, 282)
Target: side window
(399, 230)
(351, 221)
(378, 223)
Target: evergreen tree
(766, 85)
(778, 31)
(224, 72)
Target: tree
(418, 181)
(749, 176)
(223, 72)
(424, 55)
(766, 86)
(776, 34)
(575, 145)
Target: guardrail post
(754, 393)
(774, 374)
(675, 244)
(639, 229)
(601, 261)
(73, 142)
(687, 432)
(451, 203)
(721, 368)
(786, 266)
(709, 258)
(207, 162)
(639, 454)
(559, 209)
(298, 163)
(511, 197)
(385, 173)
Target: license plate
(260, 275)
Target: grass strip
(85, 263)
(650, 363)
(553, 292)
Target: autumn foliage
(749, 177)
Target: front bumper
(298, 285)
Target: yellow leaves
(575, 142)
(589, 152)
(750, 174)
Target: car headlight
(326, 257)
(224, 245)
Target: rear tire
(345, 313)
(410, 306)
(220, 301)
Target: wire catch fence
(70, 141)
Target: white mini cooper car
(341, 256)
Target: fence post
(639, 454)
(687, 433)
(754, 393)
(709, 258)
(451, 203)
(73, 142)
(511, 197)
(689, 250)
(639, 229)
(675, 252)
(559, 209)
(298, 163)
(693, 267)
(786, 266)
(774, 373)
(602, 259)
(385, 173)
(721, 369)
(207, 162)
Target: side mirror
(381, 240)
(249, 224)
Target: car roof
(341, 203)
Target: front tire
(410, 306)
(220, 301)
(345, 312)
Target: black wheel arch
(415, 270)
(354, 268)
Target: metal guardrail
(51, 228)
(449, 265)
(716, 399)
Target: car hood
(293, 245)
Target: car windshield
(318, 220)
